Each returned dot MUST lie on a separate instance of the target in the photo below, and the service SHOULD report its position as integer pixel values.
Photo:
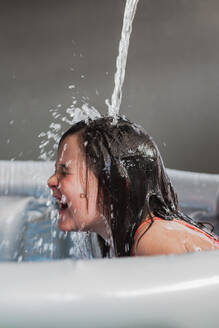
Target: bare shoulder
(171, 237)
(158, 240)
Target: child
(110, 179)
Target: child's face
(75, 192)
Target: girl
(110, 179)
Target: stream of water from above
(129, 14)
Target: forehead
(69, 149)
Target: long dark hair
(132, 180)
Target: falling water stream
(130, 9)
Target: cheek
(66, 184)
(71, 188)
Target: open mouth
(61, 202)
(63, 206)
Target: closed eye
(61, 169)
(64, 173)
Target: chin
(65, 225)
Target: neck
(103, 229)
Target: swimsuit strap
(174, 220)
(197, 229)
(144, 222)
(141, 225)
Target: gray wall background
(172, 77)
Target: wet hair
(132, 180)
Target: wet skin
(170, 237)
(76, 190)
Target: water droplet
(49, 202)
(71, 251)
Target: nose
(53, 181)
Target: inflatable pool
(47, 279)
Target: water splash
(74, 113)
(130, 9)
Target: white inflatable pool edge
(162, 291)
